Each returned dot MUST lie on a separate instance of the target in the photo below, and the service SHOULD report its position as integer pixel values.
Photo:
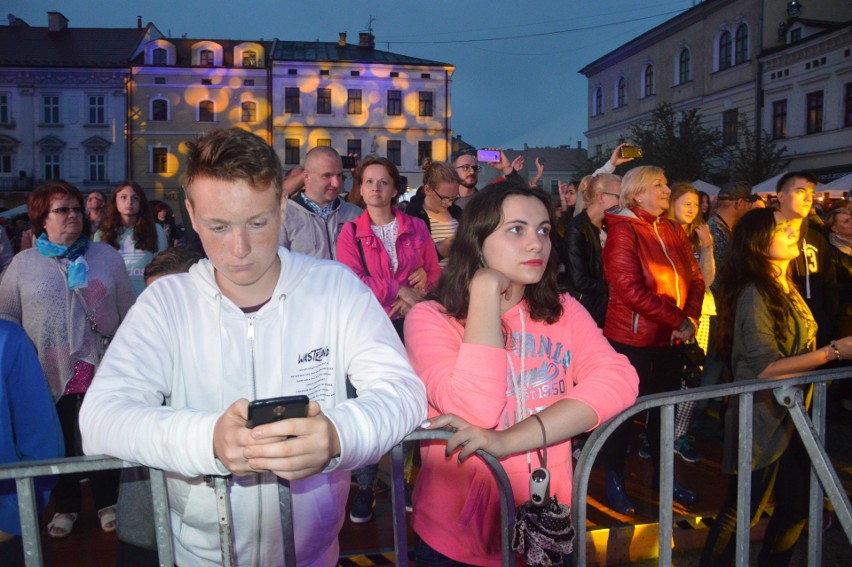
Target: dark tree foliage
(755, 157)
(679, 144)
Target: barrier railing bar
(162, 521)
(285, 505)
(29, 522)
(594, 445)
(666, 483)
(223, 513)
(815, 492)
(400, 531)
(507, 499)
(820, 464)
(744, 458)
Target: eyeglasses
(465, 167)
(65, 211)
(447, 200)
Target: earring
(638, 200)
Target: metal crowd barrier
(23, 474)
(811, 429)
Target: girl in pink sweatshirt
(497, 345)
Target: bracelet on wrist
(833, 346)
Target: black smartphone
(349, 162)
(631, 152)
(276, 409)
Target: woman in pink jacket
(498, 345)
(390, 251)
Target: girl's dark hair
(144, 231)
(748, 264)
(481, 217)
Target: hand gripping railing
(24, 473)
(812, 433)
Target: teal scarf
(78, 269)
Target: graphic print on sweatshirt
(313, 374)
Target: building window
(159, 80)
(741, 51)
(206, 81)
(779, 119)
(160, 56)
(650, 88)
(729, 127)
(206, 58)
(814, 117)
(795, 35)
(51, 166)
(325, 142)
(425, 75)
(160, 110)
(724, 50)
(96, 110)
(249, 111)
(159, 160)
(848, 104)
(620, 93)
(597, 107)
(50, 107)
(97, 167)
(353, 104)
(292, 71)
(353, 148)
(394, 74)
(291, 151)
(324, 101)
(292, 100)
(354, 73)
(424, 150)
(248, 83)
(205, 111)
(5, 163)
(4, 109)
(394, 103)
(394, 152)
(684, 66)
(324, 72)
(425, 104)
(249, 58)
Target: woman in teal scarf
(69, 295)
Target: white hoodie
(185, 342)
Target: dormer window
(249, 59)
(206, 58)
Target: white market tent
(838, 187)
(768, 185)
(708, 188)
(21, 210)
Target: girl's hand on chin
(486, 279)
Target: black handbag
(692, 356)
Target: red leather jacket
(654, 279)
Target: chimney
(138, 22)
(366, 39)
(341, 42)
(56, 22)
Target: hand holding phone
(488, 156)
(631, 152)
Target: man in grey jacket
(316, 215)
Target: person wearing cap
(734, 200)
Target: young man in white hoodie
(253, 321)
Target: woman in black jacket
(583, 244)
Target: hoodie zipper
(250, 336)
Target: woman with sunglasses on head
(130, 228)
(438, 209)
(497, 345)
(69, 295)
(767, 332)
(581, 248)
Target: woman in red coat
(655, 296)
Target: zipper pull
(251, 329)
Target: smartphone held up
(488, 156)
(269, 410)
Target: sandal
(61, 525)
(107, 518)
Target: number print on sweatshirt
(545, 365)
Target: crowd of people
(517, 319)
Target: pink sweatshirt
(456, 507)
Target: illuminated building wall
(360, 100)
(183, 87)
